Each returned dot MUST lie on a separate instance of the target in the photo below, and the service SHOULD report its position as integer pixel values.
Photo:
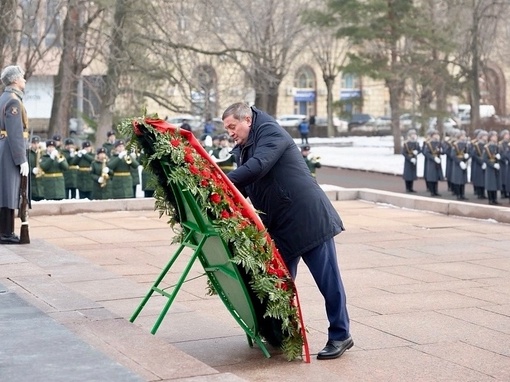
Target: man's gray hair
(10, 74)
(238, 110)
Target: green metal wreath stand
(214, 255)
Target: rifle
(24, 237)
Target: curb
(499, 214)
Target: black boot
(7, 235)
(462, 195)
(435, 186)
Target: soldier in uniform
(313, 162)
(34, 156)
(459, 154)
(222, 155)
(110, 142)
(13, 149)
(83, 160)
(101, 176)
(410, 152)
(57, 138)
(148, 178)
(53, 164)
(433, 171)
(447, 145)
(71, 175)
(478, 165)
(135, 174)
(491, 158)
(121, 164)
(504, 151)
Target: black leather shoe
(335, 349)
(9, 239)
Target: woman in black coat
(295, 210)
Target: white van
(486, 111)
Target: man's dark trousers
(323, 266)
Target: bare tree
(75, 56)
(27, 33)
(477, 23)
(261, 37)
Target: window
(350, 81)
(305, 78)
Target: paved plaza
(428, 295)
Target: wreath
(271, 288)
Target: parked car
(340, 124)
(194, 121)
(360, 120)
(290, 120)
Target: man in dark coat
(295, 210)
(410, 152)
(459, 154)
(13, 149)
(433, 172)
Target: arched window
(350, 81)
(304, 91)
(305, 78)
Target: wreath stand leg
(213, 272)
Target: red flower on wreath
(206, 174)
(204, 183)
(194, 170)
(215, 198)
(225, 214)
(188, 158)
(175, 142)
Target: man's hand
(23, 169)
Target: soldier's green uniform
(148, 179)
(101, 176)
(109, 145)
(71, 175)
(121, 164)
(312, 162)
(83, 159)
(53, 164)
(36, 184)
(134, 172)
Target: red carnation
(188, 158)
(175, 142)
(188, 150)
(194, 170)
(206, 174)
(225, 214)
(215, 198)
(204, 183)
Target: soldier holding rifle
(13, 149)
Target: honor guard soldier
(36, 182)
(433, 171)
(53, 165)
(121, 164)
(84, 159)
(478, 165)
(135, 173)
(148, 178)
(312, 161)
(222, 155)
(109, 145)
(101, 176)
(57, 138)
(13, 149)
(410, 153)
(459, 154)
(71, 175)
(492, 157)
(504, 151)
(446, 148)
